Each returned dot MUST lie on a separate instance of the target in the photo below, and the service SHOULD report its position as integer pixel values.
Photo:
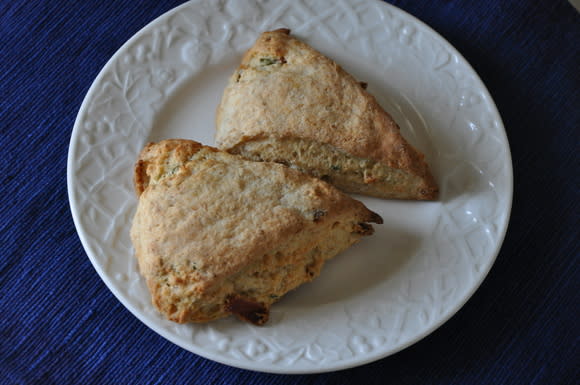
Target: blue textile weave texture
(59, 324)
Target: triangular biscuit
(290, 104)
(215, 234)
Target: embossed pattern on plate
(378, 297)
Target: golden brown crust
(285, 89)
(217, 235)
(157, 159)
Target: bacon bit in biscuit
(318, 214)
(375, 218)
(363, 229)
(247, 310)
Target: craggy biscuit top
(205, 215)
(284, 88)
(209, 210)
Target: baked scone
(215, 234)
(290, 104)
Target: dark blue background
(59, 323)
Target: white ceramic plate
(382, 295)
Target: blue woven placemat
(59, 324)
